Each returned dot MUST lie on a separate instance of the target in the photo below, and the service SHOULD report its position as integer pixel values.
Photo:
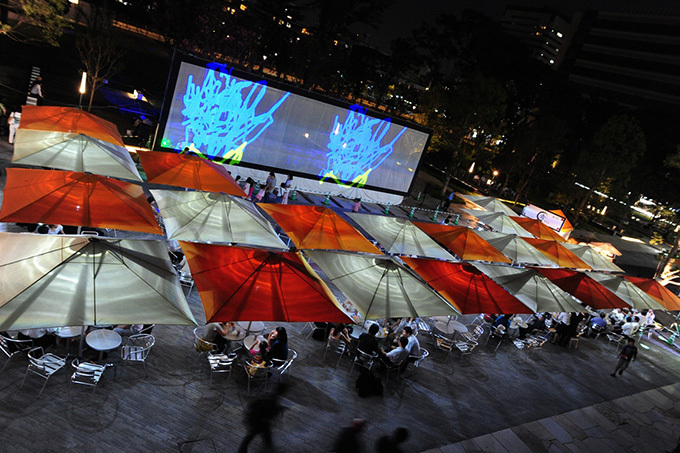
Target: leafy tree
(612, 155)
(46, 15)
(97, 46)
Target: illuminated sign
(550, 219)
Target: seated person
(257, 353)
(598, 324)
(413, 346)
(396, 355)
(210, 334)
(340, 332)
(630, 328)
(278, 345)
(39, 337)
(367, 341)
(535, 324)
(126, 330)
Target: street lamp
(495, 173)
(81, 90)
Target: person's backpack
(368, 384)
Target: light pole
(81, 90)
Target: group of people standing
(269, 192)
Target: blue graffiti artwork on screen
(220, 116)
(355, 147)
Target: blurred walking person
(260, 413)
(627, 355)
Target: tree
(45, 15)
(479, 103)
(96, 44)
(608, 161)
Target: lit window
(559, 34)
(552, 61)
(243, 7)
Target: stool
(574, 341)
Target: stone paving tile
(453, 448)
(531, 440)
(598, 445)
(510, 441)
(601, 420)
(660, 400)
(570, 427)
(557, 447)
(556, 430)
(488, 443)
(469, 445)
(539, 431)
(623, 437)
(580, 419)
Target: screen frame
(180, 57)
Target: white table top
(250, 341)
(235, 335)
(450, 326)
(255, 326)
(103, 340)
(69, 331)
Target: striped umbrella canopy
(657, 291)
(538, 229)
(557, 253)
(634, 296)
(515, 248)
(499, 222)
(464, 242)
(592, 258)
(585, 289)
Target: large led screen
(238, 121)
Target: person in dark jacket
(627, 355)
(259, 415)
(278, 345)
(367, 341)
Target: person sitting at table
(535, 324)
(598, 324)
(126, 330)
(278, 345)
(413, 346)
(367, 341)
(210, 334)
(630, 328)
(39, 337)
(396, 355)
(340, 332)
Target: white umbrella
(379, 287)
(592, 258)
(400, 236)
(490, 204)
(56, 280)
(516, 249)
(214, 217)
(499, 222)
(627, 291)
(533, 289)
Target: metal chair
(221, 363)
(444, 344)
(339, 347)
(11, 348)
(363, 359)
(282, 366)
(137, 349)
(398, 367)
(614, 338)
(498, 333)
(87, 373)
(147, 328)
(43, 365)
(419, 359)
(203, 347)
(257, 373)
(187, 280)
(465, 348)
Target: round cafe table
(237, 334)
(251, 326)
(103, 340)
(250, 341)
(69, 332)
(450, 326)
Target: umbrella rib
(377, 287)
(35, 256)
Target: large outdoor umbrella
(592, 258)
(499, 222)
(244, 284)
(71, 198)
(183, 170)
(627, 291)
(557, 253)
(317, 227)
(605, 248)
(466, 287)
(515, 248)
(72, 139)
(463, 242)
(534, 290)
(490, 204)
(214, 217)
(57, 280)
(538, 229)
(379, 287)
(400, 236)
(657, 291)
(585, 289)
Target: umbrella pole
(80, 344)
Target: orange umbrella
(466, 287)
(538, 229)
(584, 288)
(62, 119)
(244, 284)
(184, 170)
(72, 198)
(318, 227)
(463, 242)
(558, 253)
(657, 291)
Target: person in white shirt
(13, 121)
(413, 346)
(55, 229)
(630, 328)
(126, 330)
(395, 356)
